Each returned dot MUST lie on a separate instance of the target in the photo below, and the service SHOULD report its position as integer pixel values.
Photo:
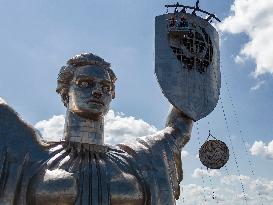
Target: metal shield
(187, 63)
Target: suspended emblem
(214, 154)
(187, 62)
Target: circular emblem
(190, 43)
(214, 154)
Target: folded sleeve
(159, 160)
(21, 153)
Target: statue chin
(89, 114)
(92, 111)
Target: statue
(81, 169)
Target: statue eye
(83, 84)
(106, 88)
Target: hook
(197, 4)
(176, 10)
(196, 7)
(210, 17)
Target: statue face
(90, 92)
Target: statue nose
(97, 93)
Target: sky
(37, 37)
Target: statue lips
(96, 102)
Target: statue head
(87, 85)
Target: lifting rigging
(194, 48)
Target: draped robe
(155, 161)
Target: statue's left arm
(158, 157)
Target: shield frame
(193, 93)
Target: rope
(233, 151)
(213, 193)
(230, 140)
(203, 180)
(244, 142)
(183, 197)
(210, 178)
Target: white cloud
(255, 19)
(228, 180)
(184, 153)
(52, 129)
(239, 60)
(259, 148)
(2, 101)
(256, 191)
(243, 196)
(257, 86)
(203, 172)
(196, 194)
(118, 128)
(197, 156)
(262, 186)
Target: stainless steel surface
(82, 170)
(187, 63)
(195, 9)
(214, 154)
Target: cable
(203, 180)
(233, 151)
(244, 142)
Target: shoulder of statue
(19, 137)
(22, 151)
(147, 142)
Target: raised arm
(159, 157)
(179, 126)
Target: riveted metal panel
(193, 90)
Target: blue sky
(38, 36)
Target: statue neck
(83, 130)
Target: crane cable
(233, 149)
(203, 179)
(243, 140)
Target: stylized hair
(66, 73)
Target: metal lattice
(214, 154)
